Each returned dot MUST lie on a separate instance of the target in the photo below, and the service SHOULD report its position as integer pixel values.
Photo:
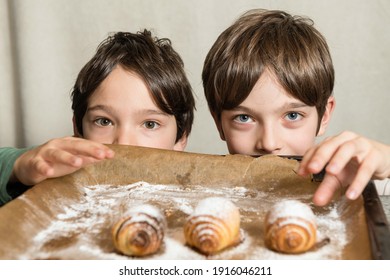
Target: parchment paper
(71, 217)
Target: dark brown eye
(103, 122)
(151, 124)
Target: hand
(351, 161)
(57, 157)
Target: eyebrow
(295, 105)
(104, 108)
(287, 106)
(111, 111)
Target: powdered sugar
(290, 208)
(215, 206)
(147, 209)
(83, 229)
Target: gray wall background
(44, 44)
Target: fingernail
(331, 168)
(99, 153)
(313, 165)
(77, 161)
(351, 194)
(110, 153)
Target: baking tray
(377, 224)
(71, 217)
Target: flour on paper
(83, 229)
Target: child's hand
(57, 157)
(351, 160)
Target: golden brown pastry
(290, 227)
(213, 226)
(140, 232)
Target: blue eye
(103, 122)
(293, 116)
(243, 118)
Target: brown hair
(154, 60)
(288, 46)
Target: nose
(125, 136)
(268, 141)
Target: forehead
(120, 77)
(268, 95)
(121, 86)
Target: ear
(217, 121)
(75, 130)
(327, 115)
(181, 144)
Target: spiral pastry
(290, 227)
(140, 232)
(214, 225)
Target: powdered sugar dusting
(147, 209)
(83, 229)
(290, 208)
(215, 206)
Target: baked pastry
(214, 225)
(140, 232)
(290, 227)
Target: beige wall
(44, 44)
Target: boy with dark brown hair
(133, 91)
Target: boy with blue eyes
(268, 80)
(133, 91)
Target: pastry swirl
(290, 227)
(214, 225)
(140, 232)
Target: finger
(345, 153)
(91, 149)
(55, 156)
(363, 176)
(314, 161)
(302, 170)
(79, 146)
(37, 171)
(326, 190)
(87, 160)
(317, 158)
(43, 169)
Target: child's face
(121, 111)
(269, 121)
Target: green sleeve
(8, 157)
